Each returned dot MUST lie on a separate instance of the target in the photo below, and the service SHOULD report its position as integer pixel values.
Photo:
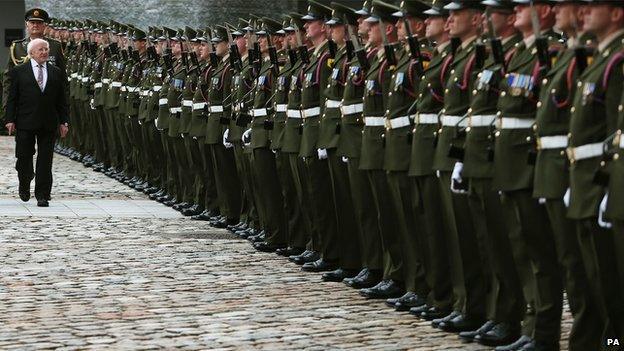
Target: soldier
(504, 304)
(425, 185)
(411, 59)
(528, 224)
(593, 116)
(36, 24)
(383, 35)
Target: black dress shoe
(515, 346)
(384, 290)
(193, 210)
(541, 346)
(181, 206)
(501, 334)
(339, 275)
(320, 265)
(223, 224)
(289, 251)
(436, 322)
(43, 203)
(266, 247)
(170, 203)
(434, 313)
(408, 301)
(367, 278)
(468, 336)
(24, 195)
(417, 311)
(461, 323)
(393, 301)
(305, 257)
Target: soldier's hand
(63, 129)
(322, 154)
(602, 222)
(10, 127)
(566, 198)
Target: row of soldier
(459, 159)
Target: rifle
(332, 47)
(272, 53)
(497, 45)
(580, 51)
(255, 57)
(541, 42)
(235, 58)
(414, 46)
(214, 59)
(358, 50)
(303, 50)
(388, 48)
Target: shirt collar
(440, 47)
(609, 39)
(318, 47)
(528, 41)
(226, 57)
(468, 41)
(35, 64)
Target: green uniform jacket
(291, 138)
(592, 118)
(133, 87)
(457, 93)
(263, 88)
(329, 131)
(187, 101)
(281, 101)
(350, 142)
(315, 76)
(479, 143)
(111, 94)
(162, 121)
(518, 99)
(242, 84)
(553, 119)
(177, 83)
(220, 82)
(199, 116)
(430, 101)
(377, 87)
(403, 84)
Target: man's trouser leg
(211, 198)
(365, 216)
(535, 231)
(408, 225)
(504, 302)
(298, 170)
(388, 222)
(348, 236)
(428, 205)
(297, 235)
(270, 196)
(228, 183)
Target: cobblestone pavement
(119, 283)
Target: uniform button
(507, 75)
(535, 127)
(503, 93)
(562, 153)
(422, 78)
(544, 81)
(479, 75)
(497, 134)
(469, 109)
(620, 108)
(440, 131)
(390, 94)
(616, 157)
(569, 135)
(414, 130)
(452, 71)
(572, 109)
(603, 163)
(579, 84)
(420, 95)
(553, 91)
(446, 91)
(528, 139)
(474, 92)
(468, 129)
(428, 85)
(455, 79)
(539, 104)
(499, 113)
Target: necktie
(40, 77)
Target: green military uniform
(425, 187)
(528, 224)
(504, 302)
(593, 116)
(551, 182)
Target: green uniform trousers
(211, 199)
(298, 170)
(408, 225)
(347, 236)
(227, 181)
(270, 198)
(248, 211)
(504, 301)
(365, 216)
(297, 236)
(196, 187)
(428, 205)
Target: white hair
(34, 43)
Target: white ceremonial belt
(552, 142)
(97, 85)
(293, 113)
(281, 108)
(621, 143)
(162, 102)
(311, 112)
(69, 79)
(516, 123)
(351, 109)
(374, 121)
(157, 87)
(145, 92)
(105, 80)
(124, 88)
(259, 112)
(187, 103)
(175, 109)
(74, 75)
(333, 103)
(585, 151)
(481, 120)
(132, 89)
(116, 84)
(398, 122)
(216, 108)
(79, 76)
(426, 118)
(199, 106)
(86, 79)
(454, 121)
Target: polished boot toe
(384, 290)
(461, 323)
(515, 346)
(289, 251)
(434, 313)
(437, 321)
(43, 203)
(320, 265)
(263, 246)
(408, 301)
(339, 275)
(367, 278)
(468, 336)
(417, 311)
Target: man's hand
(10, 127)
(63, 129)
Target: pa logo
(613, 342)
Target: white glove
(322, 154)
(247, 137)
(566, 198)
(274, 151)
(456, 178)
(601, 213)
(92, 104)
(226, 143)
(542, 200)
(345, 159)
(438, 173)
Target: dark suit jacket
(30, 108)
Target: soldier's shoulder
(53, 42)
(18, 41)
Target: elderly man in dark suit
(36, 109)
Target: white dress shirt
(36, 69)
